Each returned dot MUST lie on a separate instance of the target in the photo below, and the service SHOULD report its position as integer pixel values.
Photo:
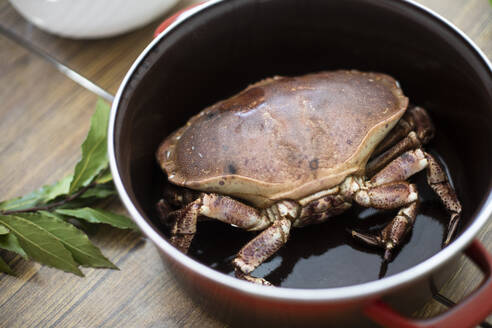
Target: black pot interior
(234, 43)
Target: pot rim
(367, 289)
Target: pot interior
(231, 44)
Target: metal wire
(65, 70)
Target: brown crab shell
(284, 137)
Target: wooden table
(44, 117)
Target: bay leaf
(79, 202)
(105, 176)
(38, 197)
(100, 191)
(29, 200)
(4, 267)
(94, 149)
(86, 227)
(3, 230)
(39, 244)
(59, 188)
(83, 251)
(11, 243)
(100, 216)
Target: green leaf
(106, 176)
(91, 196)
(100, 191)
(26, 201)
(83, 251)
(11, 243)
(82, 225)
(94, 149)
(4, 267)
(37, 197)
(100, 216)
(57, 189)
(39, 244)
(79, 202)
(3, 230)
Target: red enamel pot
(215, 49)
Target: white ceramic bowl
(89, 18)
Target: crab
(294, 151)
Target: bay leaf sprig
(38, 226)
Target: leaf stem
(48, 207)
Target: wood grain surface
(44, 117)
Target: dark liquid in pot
(325, 255)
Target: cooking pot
(217, 48)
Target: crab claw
(453, 224)
(375, 240)
(367, 238)
(247, 277)
(387, 251)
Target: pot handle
(165, 24)
(468, 313)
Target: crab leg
(184, 227)
(401, 129)
(412, 162)
(394, 232)
(231, 211)
(421, 131)
(415, 119)
(398, 170)
(213, 206)
(267, 243)
(401, 168)
(438, 181)
(388, 196)
(411, 141)
(179, 197)
(163, 209)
